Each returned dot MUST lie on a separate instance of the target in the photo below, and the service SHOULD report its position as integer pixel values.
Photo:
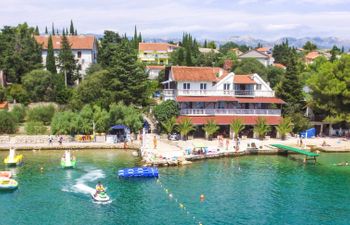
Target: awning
(119, 127)
(226, 120)
(206, 99)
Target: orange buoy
(202, 197)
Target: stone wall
(32, 139)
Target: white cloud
(274, 27)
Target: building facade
(155, 53)
(207, 93)
(84, 49)
(262, 57)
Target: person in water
(99, 188)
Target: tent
(118, 133)
(310, 133)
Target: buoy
(202, 197)
(181, 205)
(170, 195)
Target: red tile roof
(229, 99)
(279, 65)
(155, 46)
(155, 67)
(262, 49)
(205, 99)
(76, 42)
(312, 55)
(243, 79)
(4, 105)
(225, 120)
(261, 100)
(185, 73)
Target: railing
(273, 112)
(238, 93)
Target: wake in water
(81, 184)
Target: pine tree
(135, 39)
(46, 31)
(66, 31)
(71, 28)
(140, 37)
(76, 32)
(53, 29)
(63, 32)
(50, 58)
(67, 63)
(37, 30)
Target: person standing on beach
(227, 143)
(154, 142)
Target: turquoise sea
(244, 190)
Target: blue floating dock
(138, 172)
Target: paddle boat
(138, 172)
(5, 174)
(8, 184)
(12, 159)
(68, 161)
(100, 197)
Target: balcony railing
(271, 112)
(237, 93)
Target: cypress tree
(63, 32)
(46, 31)
(37, 30)
(135, 39)
(57, 32)
(205, 43)
(71, 28)
(67, 63)
(50, 58)
(66, 31)
(76, 32)
(140, 37)
(53, 29)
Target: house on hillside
(236, 51)
(208, 50)
(280, 66)
(311, 56)
(212, 93)
(84, 49)
(265, 59)
(155, 53)
(153, 71)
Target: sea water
(242, 190)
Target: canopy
(119, 127)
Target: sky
(205, 19)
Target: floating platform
(138, 172)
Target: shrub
(18, 93)
(2, 94)
(41, 114)
(8, 123)
(34, 127)
(166, 110)
(19, 112)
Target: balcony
(212, 112)
(234, 93)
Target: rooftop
(155, 46)
(186, 73)
(76, 42)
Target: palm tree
(210, 128)
(236, 126)
(261, 128)
(185, 127)
(285, 126)
(169, 125)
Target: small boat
(100, 197)
(8, 184)
(5, 174)
(68, 161)
(138, 172)
(12, 159)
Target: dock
(308, 155)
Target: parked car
(174, 137)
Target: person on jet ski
(99, 188)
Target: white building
(263, 58)
(153, 71)
(211, 93)
(84, 49)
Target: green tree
(300, 122)
(41, 114)
(166, 110)
(52, 29)
(46, 31)
(127, 115)
(7, 123)
(19, 112)
(285, 126)
(334, 52)
(212, 45)
(210, 128)
(39, 84)
(18, 93)
(225, 48)
(19, 52)
(309, 46)
(250, 66)
(185, 126)
(71, 28)
(50, 57)
(169, 125)
(37, 32)
(67, 63)
(261, 128)
(282, 53)
(35, 128)
(101, 119)
(275, 75)
(65, 123)
(2, 94)
(236, 126)
(108, 47)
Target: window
(186, 86)
(226, 87)
(199, 105)
(258, 87)
(203, 86)
(79, 54)
(221, 105)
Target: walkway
(297, 150)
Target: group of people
(51, 138)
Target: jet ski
(100, 197)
